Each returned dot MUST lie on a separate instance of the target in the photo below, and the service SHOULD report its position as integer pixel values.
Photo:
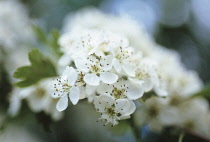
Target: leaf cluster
(41, 67)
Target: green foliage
(205, 92)
(40, 68)
(51, 40)
(40, 34)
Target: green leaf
(40, 68)
(205, 92)
(53, 42)
(40, 34)
(49, 41)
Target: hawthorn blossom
(122, 61)
(112, 111)
(96, 69)
(122, 89)
(146, 74)
(64, 87)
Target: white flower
(122, 60)
(96, 69)
(64, 87)
(146, 74)
(122, 89)
(112, 111)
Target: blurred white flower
(38, 98)
(175, 110)
(175, 78)
(15, 102)
(14, 25)
(137, 36)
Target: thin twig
(181, 136)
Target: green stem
(181, 136)
(134, 130)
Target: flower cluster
(112, 66)
(103, 67)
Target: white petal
(124, 117)
(90, 89)
(136, 81)
(108, 77)
(122, 105)
(74, 95)
(103, 88)
(161, 92)
(117, 65)
(80, 63)
(132, 107)
(62, 103)
(65, 60)
(107, 63)
(92, 79)
(106, 100)
(103, 101)
(129, 111)
(65, 73)
(135, 91)
(129, 69)
(82, 91)
(72, 76)
(147, 84)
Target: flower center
(95, 69)
(122, 55)
(118, 94)
(41, 92)
(141, 74)
(80, 81)
(61, 87)
(111, 112)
